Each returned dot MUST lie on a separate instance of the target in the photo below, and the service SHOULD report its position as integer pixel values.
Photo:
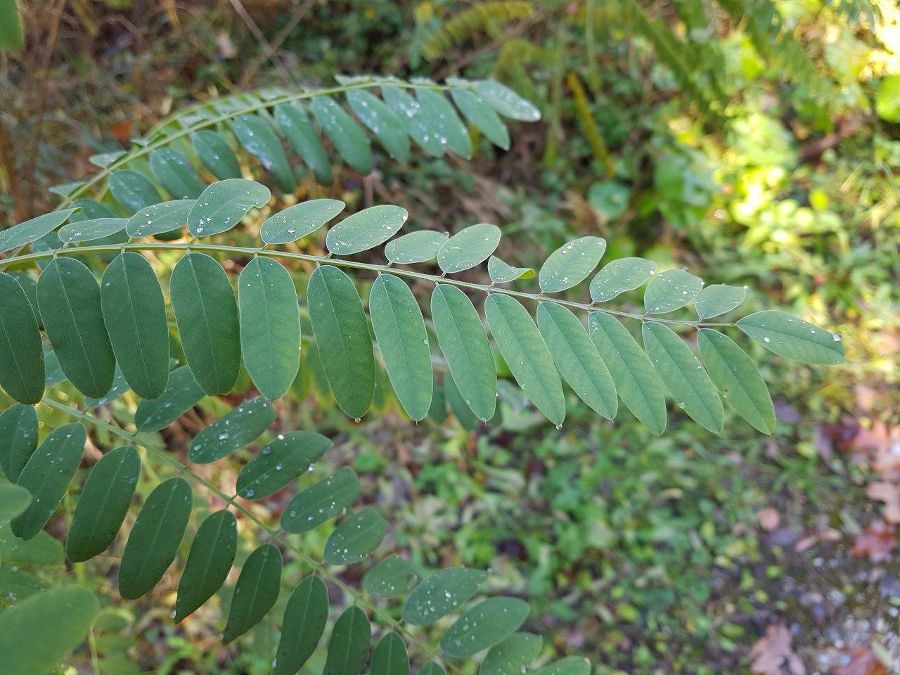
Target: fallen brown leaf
(876, 542)
(888, 493)
(773, 651)
(769, 518)
(862, 662)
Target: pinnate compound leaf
(242, 425)
(502, 272)
(256, 135)
(671, 290)
(571, 665)
(683, 376)
(207, 316)
(21, 353)
(737, 378)
(280, 462)
(415, 247)
(348, 137)
(215, 154)
(31, 230)
(302, 136)
(342, 337)
(469, 247)
(619, 276)
(390, 656)
(512, 656)
(481, 116)
(160, 218)
(299, 220)
(321, 502)
(155, 537)
(355, 538)
(441, 593)
(208, 563)
(506, 102)
(365, 229)
(182, 393)
(391, 578)
(571, 264)
(305, 617)
(403, 341)
(382, 121)
(255, 592)
(103, 503)
(718, 299)
(793, 338)
(224, 204)
(14, 499)
(464, 344)
(18, 438)
(270, 326)
(484, 625)
(349, 643)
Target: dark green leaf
(671, 290)
(391, 578)
(176, 173)
(415, 247)
(349, 643)
(366, 229)
(485, 625)
(132, 190)
(461, 411)
(280, 462)
(182, 393)
(506, 102)
(619, 276)
(21, 353)
(223, 205)
(390, 656)
(793, 338)
(299, 220)
(304, 622)
(42, 550)
(160, 218)
(441, 593)
(242, 425)
(257, 136)
(355, 538)
(299, 131)
(321, 502)
(571, 264)
(469, 247)
(438, 410)
(348, 137)
(512, 656)
(215, 154)
(481, 116)
(32, 230)
(255, 592)
(718, 299)
(382, 121)
(208, 563)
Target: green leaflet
(90, 230)
(636, 381)
(299, 220)
(12, 37)
(506, 102)
(683, 376)
(155, 537)
(718, 299)
(41, 631)
(382, 121)
(737, 378)
(438, 410)
(47, 475)
(31, 230)
(390, 656)
(502, 272)
(255, 592)
(21, 353)
(207, 317)
(349, 643)
(443, 118)
(403, 341)
(512, 656)
(14, 499)
(415, 247)
(132, 190)
(441, 593)
(304, 622)
(159, 218)
(270, 326)
(571, 264)
(458, 406)
(464, 344)
(16, 583)
(103, 503)
(793, 338)
(242, 425)
(671, 290)
(485, 625)
(119, 387)
(256, 135)
(43, 550)
(208, 563)
(280, 462)
(365, 229)
(432, 668)
(176, 173)
(571, 665)
(423, 128)
(350, 140)
(469, 247)
(215, 154)
(182, 393)
(342, 336)
(223, 205)
(577, 358)
(134, 312)
(481, 116)
(391, 578)
(619, 276)
(69, 300)
(299, 131)
(320, 502)
(18, 438)
(526, 354)
(355, 538)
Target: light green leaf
(348, 137)
(32, 230)
(619, 276)
(134, 312)
(636, 381)
(403, 341)
(366, 229)
(512, 656)
(270, 326)
(132, 190)
(159, 218)
(390, 656)
(481, 116)
(215, 154)
(485, 625)
(255, 592)
(304, 622)
(21, 353)
(415, 247)
(43, 550)
(737, 378)
(571, 665)
(176, 173)
(506, 102)
(342, 336)
(718, 299)
(793, 338)
(223, 205)
(683, 376)
(422, 128)
(280, 462)
(526, 354)
(299, 220)
(12, 37)
(103, 503)
(349, 643)
(451, 131)
(502, 272)
(299, 131)
(321, 502)
(441, 593)
(69, 300)
(14, 499)
(208, 563)
(571, 264)
(18, 438)
(469, 247)
(432, 668)
(464, 344)
(382, 121)
(242, 425)
(391, 578)
(182, 393)
(91, 230)
(258, 138)
(355, 538)
(671, 290)
(577, 358)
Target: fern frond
(483, 17)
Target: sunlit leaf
(671, 290)
(321, 502)
(718, 299)
(619, 276)
(255, 592)
(793, 338)
(469, 247)
(208, 563)
(280, 462)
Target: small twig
(258, 34)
